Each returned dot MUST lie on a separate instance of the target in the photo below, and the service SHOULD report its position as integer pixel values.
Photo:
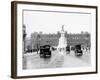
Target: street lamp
(24, 36)
(38, 42)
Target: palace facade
(38, 39)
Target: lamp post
(24, 36)
(38, 42)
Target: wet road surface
(33, 60)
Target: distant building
(39, 39)
(28, 44)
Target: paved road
(33, 61)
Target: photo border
(14, 37)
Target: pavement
(33, 60)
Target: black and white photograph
(55, 39)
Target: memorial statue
(62, 42)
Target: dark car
(45, 51)
(68, 49)
(53, 48)
(78, 51)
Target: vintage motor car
(45, 51)
(68, 49)
(78, 51)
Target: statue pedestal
(62, 51)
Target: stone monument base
(62, 51)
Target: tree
(24, 37)
(24, 32)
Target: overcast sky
(51, 22)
